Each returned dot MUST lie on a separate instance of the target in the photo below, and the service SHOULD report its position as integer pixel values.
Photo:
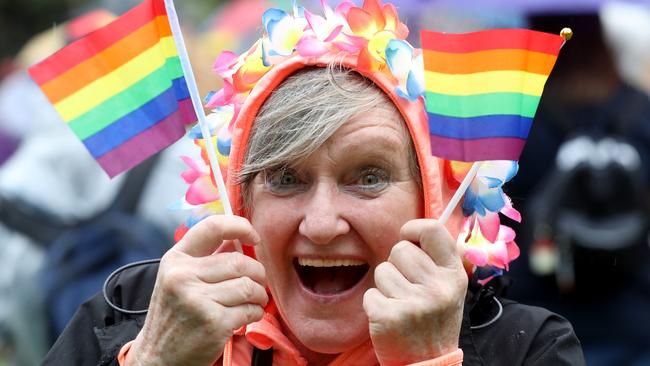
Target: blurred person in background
(585, 175)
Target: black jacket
(517, 335)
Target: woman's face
(327, 222)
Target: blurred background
(583, 185)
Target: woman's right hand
(201, 297)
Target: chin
(333, 337)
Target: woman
(335, 190)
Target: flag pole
(198, 107)
(459, 193)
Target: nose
(322, 220)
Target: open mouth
(329, 276)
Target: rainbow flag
(121, 88)
(482, 90)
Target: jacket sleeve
(96, 333)
(521, 335)
(555, 344)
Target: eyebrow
(386, 147)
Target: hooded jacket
(494, 331)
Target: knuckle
(212, 223)
(398, 249)
(253, 313)
(380, 271)
(237, 263)
(247, 288)
(169, 258)
(432, 228)
(175, 277)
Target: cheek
(379, 221)
(276, 223)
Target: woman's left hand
(416, 310)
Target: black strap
(29, 220)
(262, 357)
(130, 192)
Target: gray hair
(302, 113)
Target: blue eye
(283, 181)
(373, 179)
(369, 180)
(287, 179)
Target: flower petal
(343, 8)
(503, 170)
(509, 211)
(513, 251)
(347, 42)
(361, 23)
(399, 55)
(327, 10)
(490, 225)
(271, 16)
(459, 169)
(318, 24)
(284, 34)
(390, 15)
(492, 182)
(201, 191)
(491, 199)
(223, 97)
(309, 47)
(367, 62)
(506, 234)
(476, 256)
(498, 254)
(195, 170)
(298, 11)
(471, 202)
(224, 63)
(373, 8)
(414, 86)
(335, 33)
(251, 70)
(378, 43)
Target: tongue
(328, 281)
(333, 279)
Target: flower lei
(374, 33)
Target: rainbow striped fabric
(121, 89)
(482, 90)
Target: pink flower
(481, 252)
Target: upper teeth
(329, 262)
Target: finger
(228, 246)
(412, 262)
(373, 302)
(244, 314)
(238, 291)
(206, 236)
(434, 239)
(391, 282)
(378, 307)
(225, 266)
